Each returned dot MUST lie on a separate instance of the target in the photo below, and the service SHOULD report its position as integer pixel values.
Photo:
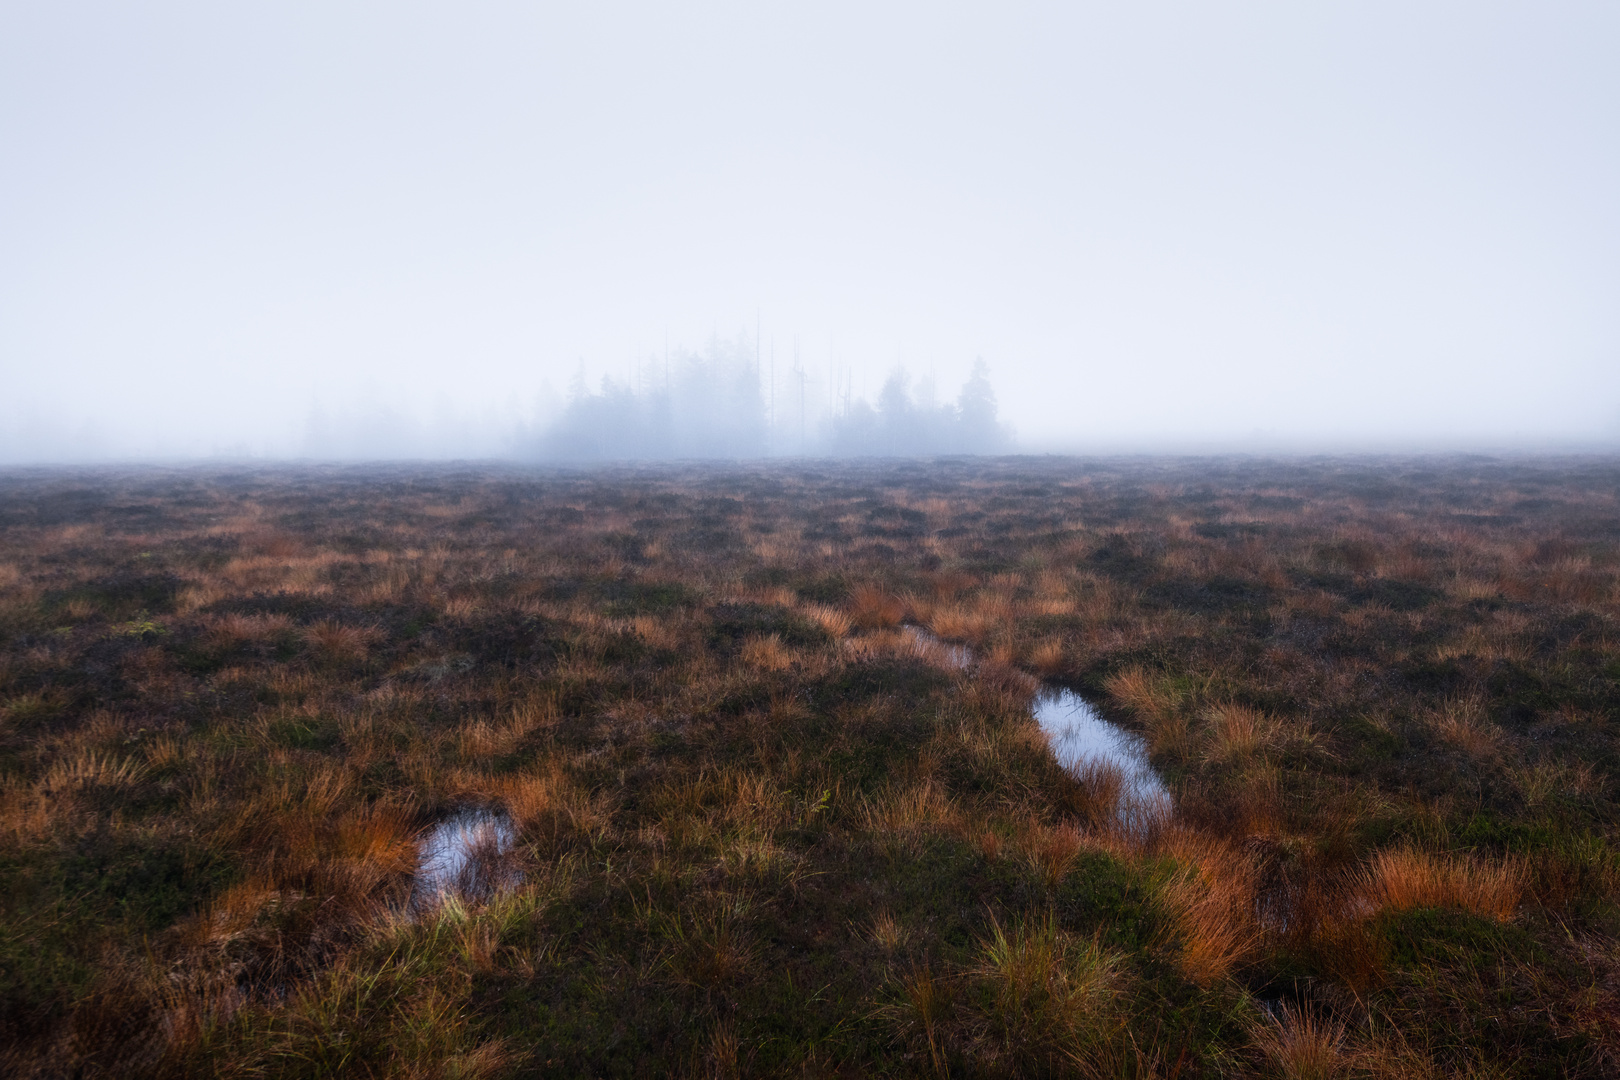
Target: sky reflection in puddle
(1080, 737)
(465, 855)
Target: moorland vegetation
(760, 828)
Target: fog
(726, 403)
(618, 230)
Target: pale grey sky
(1303, 224)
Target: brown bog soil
(756, 828)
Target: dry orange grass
(887, 933)
(1237, 732)
(324, 876)
(232, 630)
(197, 596)
(883, 643)
(273, 545)
(339, 640)
(1211, 904)
(871, 607)
(954, 622)
(548, 806)
(86, 768)
(1142, 692)
(1006, 678)
(767, 653)
(1095, 797)
(482, 739)
(1462, 723)
(1404, 879)
(1302, 1045)
(1156, 704)
(230, 914)
(751, 803)
(974, 622)
(1048, 657)
(773, 596)
(659, 633)
(381, 834)
(835, 622)
(1053, 851)
(931, 650)
(26, 813)
(910, 809)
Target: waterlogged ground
(996, 768)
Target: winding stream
(1081, 739)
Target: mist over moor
(336, 230)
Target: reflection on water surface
(465, 855)
(1081, 738)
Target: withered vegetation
(761, 826)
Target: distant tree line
(721, 404)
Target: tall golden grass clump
(1302, 1045)
(1407, 878)
(874, 608)
(1156, 705)
(954, 622)
(837, 623)
(87, 768)
(910, 808)
(1237, 733)
(1052, 852)
(549, 807)
(1047, 657)
(1211, 904)
(767, 653)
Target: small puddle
(1081, 739)
(466, 855)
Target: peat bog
(488, 771)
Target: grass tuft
(1302, 1045)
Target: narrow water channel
(1082, 740)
